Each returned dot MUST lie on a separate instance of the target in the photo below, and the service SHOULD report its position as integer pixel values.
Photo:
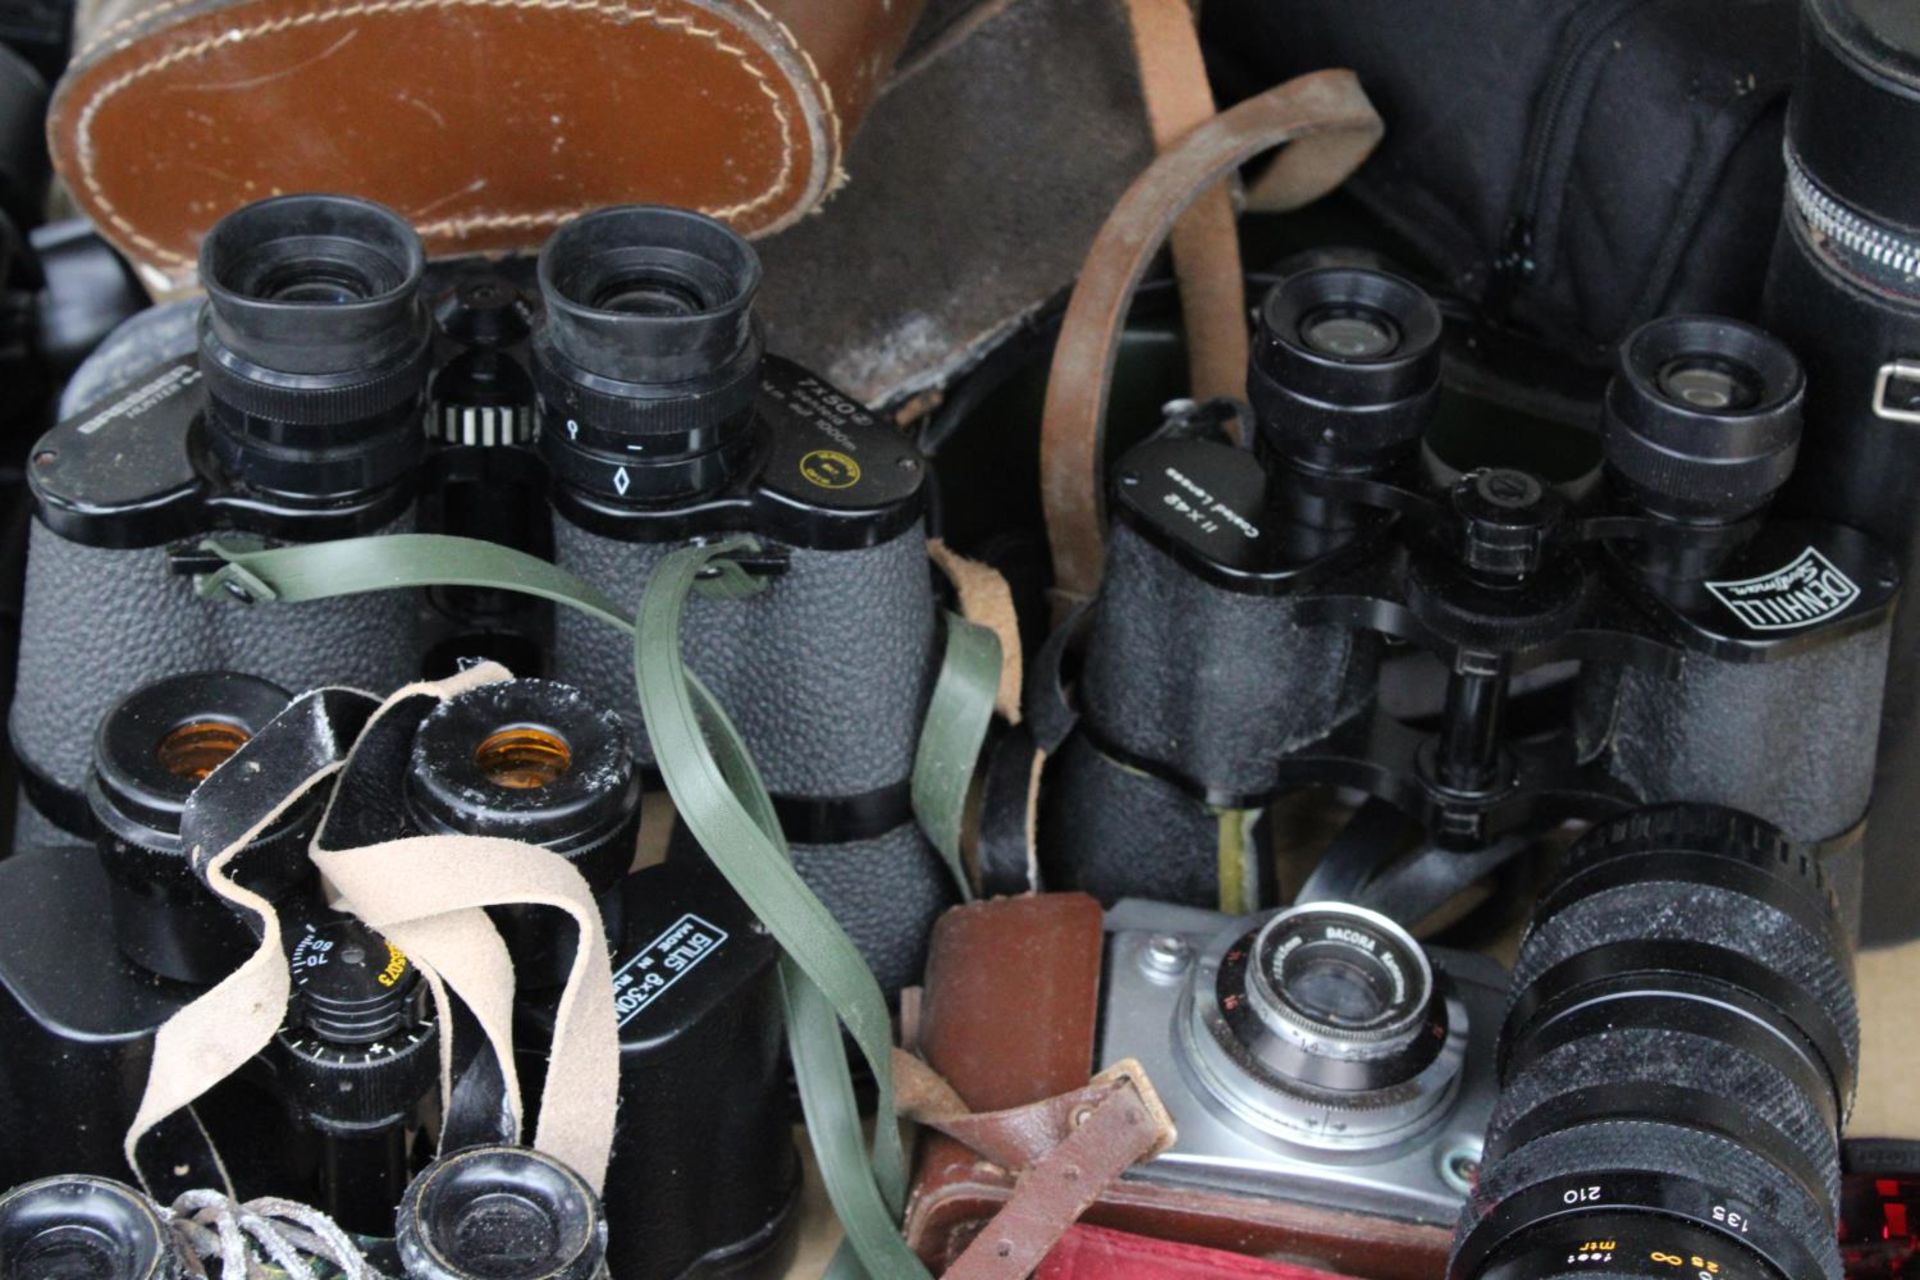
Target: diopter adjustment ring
(312, 400)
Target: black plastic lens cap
(500, 1213)
(77, 1227)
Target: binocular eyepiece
(649, 360)
(1703, 418)
(315, 345)
(1345, 370)
(77, 1227)
(501, 1213)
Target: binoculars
(625, 410)
(100, 946)
(1704, 650)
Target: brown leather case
(1009, 1017)
(486, 122)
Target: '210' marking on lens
(1581, 1195)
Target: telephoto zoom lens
(1676, 1064)
(76, 1227)
(501, 1213)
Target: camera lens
(501, 1213)
(76, 1227)
(1350, 333)
(1327, 1027)
(314, 343)
(1702, 420)
(1677, 1060)
(649, 359)
(150, 753)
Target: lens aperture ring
(1719, 935)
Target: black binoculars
(621, 407)
(1700, 649)
(100, 946)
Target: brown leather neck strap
(1067, 1149)
(1328, 128)
(1206, 248)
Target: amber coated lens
(197, 748)
(523, 757)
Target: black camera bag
(1570, 167)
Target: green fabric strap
(719, 794)
(958, 716)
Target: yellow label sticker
(396, 967)
(830, 469)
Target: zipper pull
(1513, 265)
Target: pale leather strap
(1065, 1149)
(427, 896)
(219, 1033)
(1328, 127)
(1205, 243)
(986, 599)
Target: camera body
(1234, 650)
(1168, 1001)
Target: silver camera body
(1279, 1083)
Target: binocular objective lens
(1710, 383)
(523, 757)
(1350, 333)
(195, 749)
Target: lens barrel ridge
(1678, 1058)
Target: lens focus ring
(1677, 1058)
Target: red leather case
(1090, 1253)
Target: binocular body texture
(1791, 741)
(1200, 696)
(1856, 466)
(99, 622)
(826, 672)
(703, 1144)
(1216, 684)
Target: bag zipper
(1514, 263)
(1874, 255)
